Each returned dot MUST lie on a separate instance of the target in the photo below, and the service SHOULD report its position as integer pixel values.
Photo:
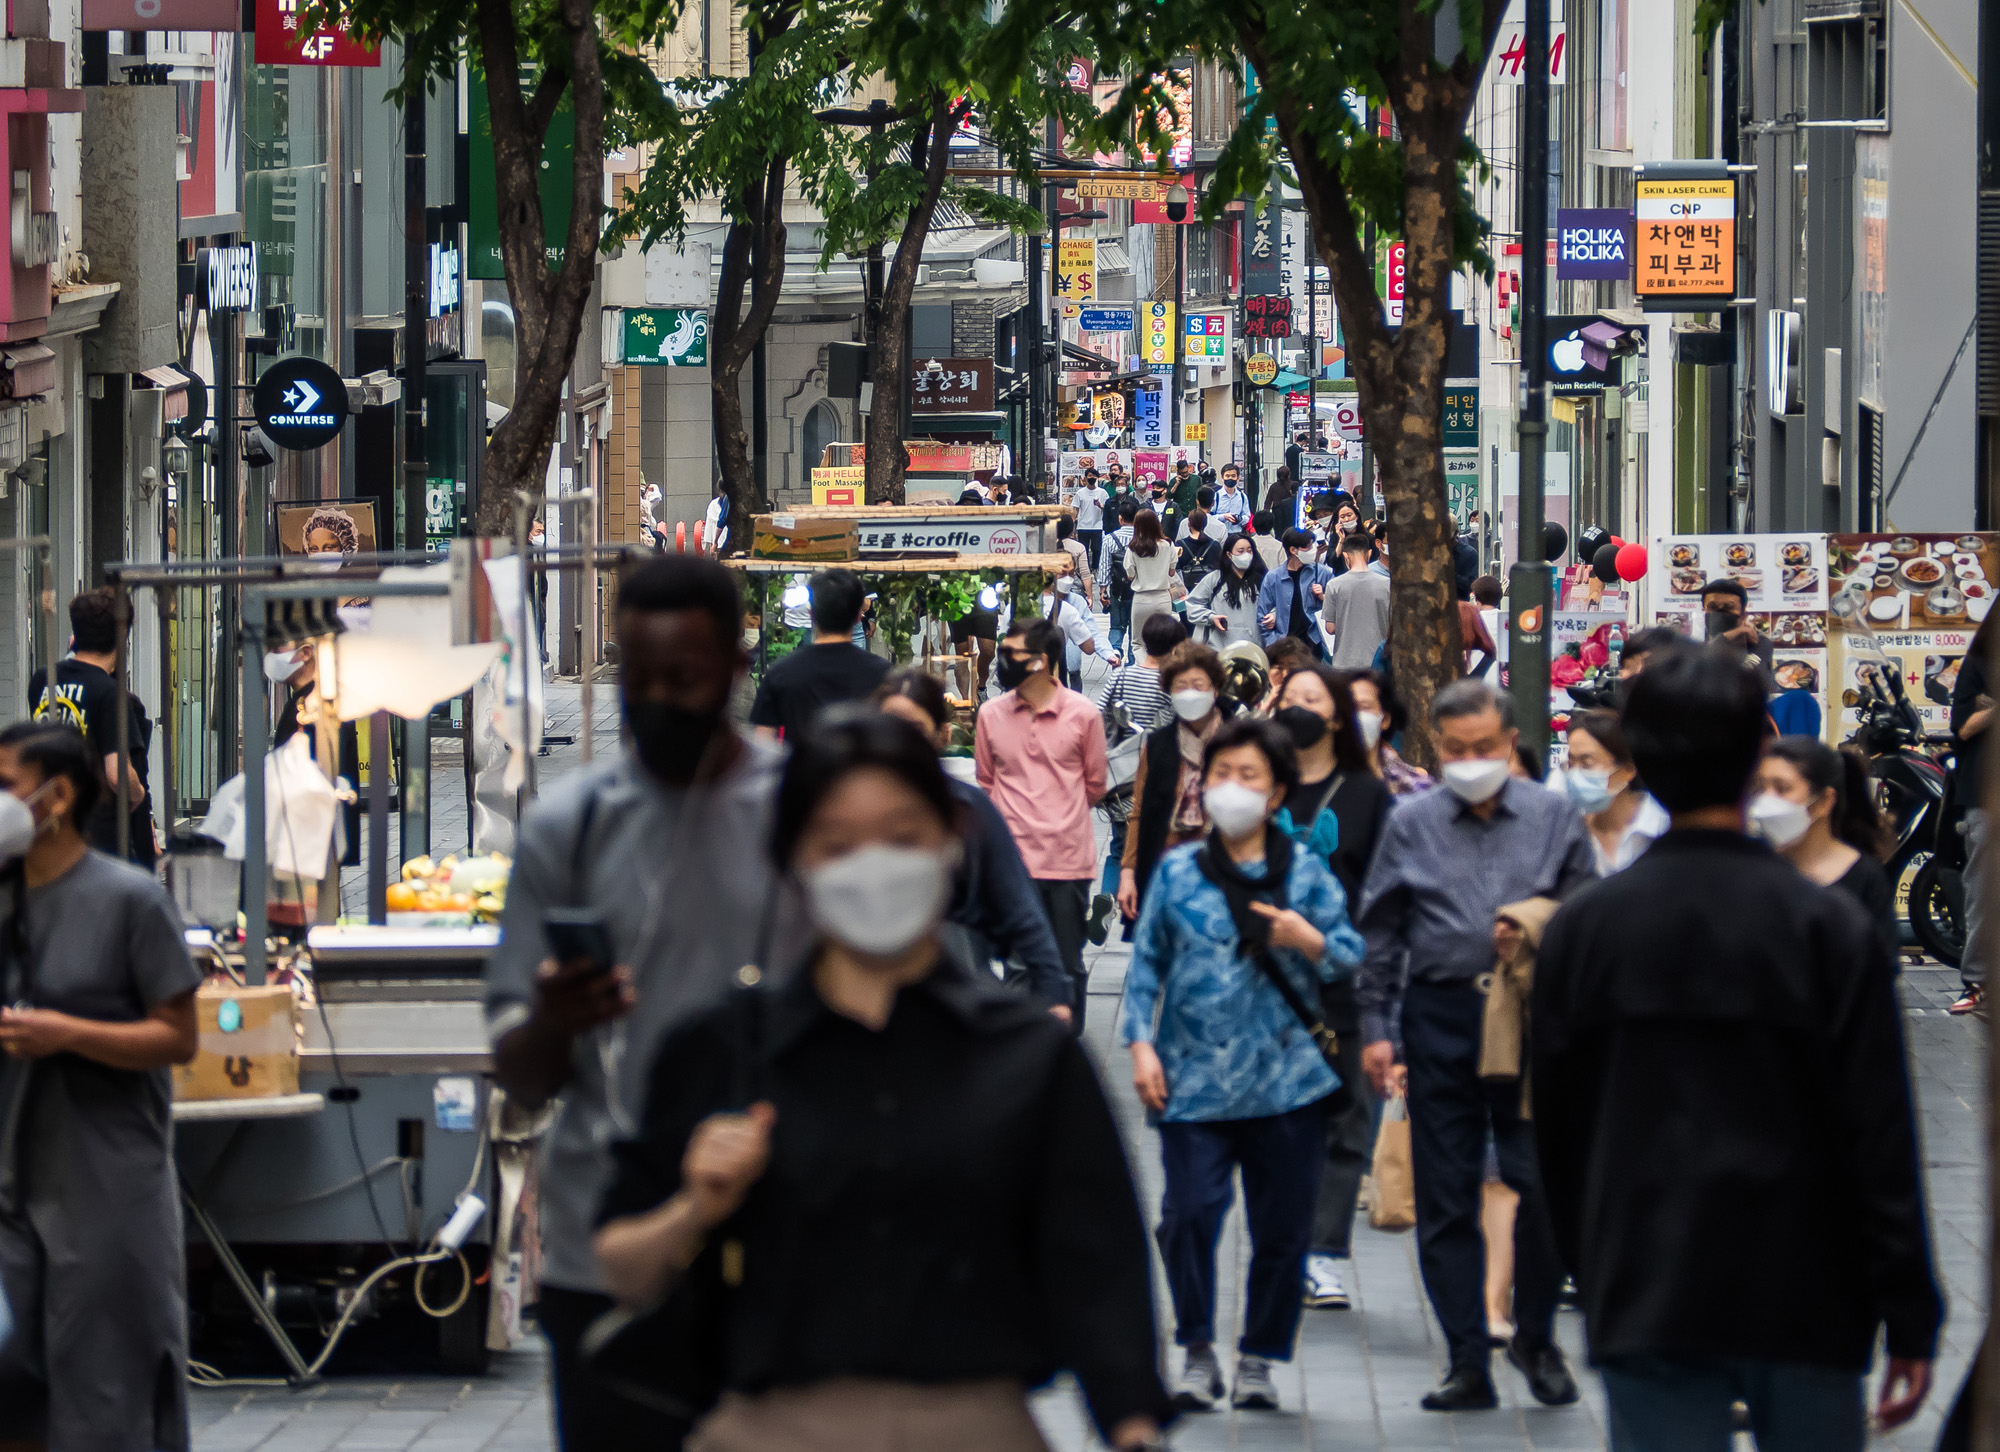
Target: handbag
(1324, 1039)
(1392, 1202)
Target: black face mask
(1307, 727)
(671, 740)
(1011, 672)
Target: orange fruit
(401, 897)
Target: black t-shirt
(1300, 625)
(1868, 883)
(87, 698)
(810, 679)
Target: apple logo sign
(1567, 355)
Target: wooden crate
(792, 537)
(249, 1044)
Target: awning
(1286, 379)
(31, 369)
(172, 383)
(959, 423)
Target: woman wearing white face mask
(903, 1187)
(1378, 715)
(1166, 788)
(1222, 609)
(1603, 784)
(1817, 807)
(102, 993)
(1238, 933)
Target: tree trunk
(886, 461)
(548, 307)
(733, 334)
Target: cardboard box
(790, 537)
(249, 1044)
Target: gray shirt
(1357, 614)
(684, 882)
(1440, 875)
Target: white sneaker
(1324, 1286)
(1200, 1386)
(1254, 1391)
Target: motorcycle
(1913, 790)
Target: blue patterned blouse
(1231, 1047)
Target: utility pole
(1528, 582)
(1031, 446)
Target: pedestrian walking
(1063, 605)
(1090, 498)
(1603, 784)
(92, 1265)
(1082, 566)
(86, 698)
(1237, 933)
(1118, 583)
(1232, 505)
(1356, 612)
(1336, 812)
(1040, 757)
(993, 899)
(829, 670)
(1286, 654)
(1210, 524)
(1816, 806)
(1199, 553)
(1222, 608)
(1380, 718)
(919, 1205)
(1133, 703)
(1167, 788)
(664, 843)
(1971, 716)
(1290, 599)
(1448, 863)
(1149, 565)
(1723, 1109)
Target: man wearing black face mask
(1724, 604)
(665, 845)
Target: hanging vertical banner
(1149, 429)
(281, 40)
(1686, 213)
(1262, 269)
(1207, 339)
(1391, 275)
(483, 188)
(1156, 339)
(1076, 269)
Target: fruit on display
(470, 887)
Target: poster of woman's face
(327, 529)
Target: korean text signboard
(1267, 317)
(1461, 413)
(1156, 344)
(1391, 278)
(1149, 429)
(1105, 320)
(1207, 340)
(1686, 241)
(282, 40)
(1076, 269)
(673, 337)
(483, 187)
(952, 385)
(1260, 368)
(1593, 243)
(1263, 267)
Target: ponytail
(1855, 819)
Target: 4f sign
(1511, 53)
(283, 41)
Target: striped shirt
(1137, 688)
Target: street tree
(1421, 60)
(535, 55)
(746, 141)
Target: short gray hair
(1470, 697)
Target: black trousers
(592, 1416)
(1451, 1111)
(1350, 1134)
(1093, 544)
(1068, 905)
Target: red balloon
(1631, 561)
(1617, 541)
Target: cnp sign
(232, 278)
(300, 403)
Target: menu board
(1918, 581)
(1778, 572)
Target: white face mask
(279, 665)
(1475, 781)
(17, 827)
(1064, 584)
(1590, 790)
(1192, 706)
(1370, 725)
(1235, 808)
(1777, 821)
(880, 900)
(1241, 559)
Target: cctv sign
(283, 41)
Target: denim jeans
(1662, 1404)
(1111, 856)
(1972, 964)
(1279, 1155)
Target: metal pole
(414, 826)
(121, 620)
(1031, 446)
(378, 817)
(1180, 330)
(1528, 582)
(588, 574)
(525, 647)
(161, 599)
(256, 851)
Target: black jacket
(1723, 1112)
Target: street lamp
(1177, 211)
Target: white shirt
(1090, 507)
(1649, 823)
(1073, 619)
(1149, 574)
(1215, 529)
(1232, 506)
(714, 537)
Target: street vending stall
(345, 1161)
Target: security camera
(258, 451)
(1177, 203)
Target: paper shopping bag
(1393, 1205)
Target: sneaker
(1254, 1391)
(1200, 1386)
(1324, 1286)
(1973, 1000)
(1099, 926)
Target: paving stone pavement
(1358, 1374)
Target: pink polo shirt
(1043, 769)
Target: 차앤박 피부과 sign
(1685, 251)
